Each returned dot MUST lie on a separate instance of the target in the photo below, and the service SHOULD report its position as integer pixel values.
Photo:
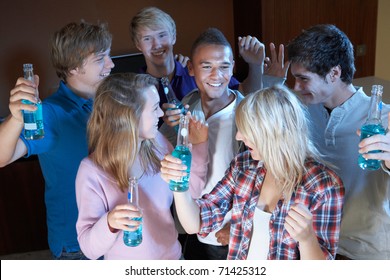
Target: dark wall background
(26, 26)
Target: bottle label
(184, 132)
(30, 126)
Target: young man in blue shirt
(80, 54)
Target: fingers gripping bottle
(134, 237)
(171, 98)
(182, 151)
(372, 126)
(33, 120)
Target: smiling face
(313, 88)
(212, 67)
(156, 45)
(87, 78)
(148, 124)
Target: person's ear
(190, 68)
(335, 73)
(138, 46)
(74, 71)
(173, 39)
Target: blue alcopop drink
(132, 237)
(33, 120)
(372, 126)
(183, 153)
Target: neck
(342, 94)
(210, 106)
(80, 90)
(167, 69)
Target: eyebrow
(301, 76)
(224, 62)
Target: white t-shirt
(259, 247)
(221, 151)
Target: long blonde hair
(113, 127)
(276, 122)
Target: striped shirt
(320, 190)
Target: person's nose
(156, 43)
(297, 86)
(108, 63)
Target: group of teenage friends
(274, 171)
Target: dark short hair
(322, 47)
(211, 36)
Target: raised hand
(24, 89)
(276, 66)
(251, 50)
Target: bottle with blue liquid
(33, 120)
(171, 98)
(372, 126)
(182, 151)
(133, 238)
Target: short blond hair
(152, 18)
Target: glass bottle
(33, 120)
(133, 238)
(182, 151)
(372, 126)
(171, 98)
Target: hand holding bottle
(182, 151)
(122, 217)
(132, 235)
(33, 120)
(372, 126)
(172, 114)
(23, 90)
(376, 142)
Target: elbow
(191, 228)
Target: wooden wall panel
(282, 20)
(22, 209)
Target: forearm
(10, 131)
(310, 249)
(198, 169)
(188, 212)
(254, 80)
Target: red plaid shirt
(321, 190)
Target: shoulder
(90, 175)
(191, 97)
(243, 161)
(87, 167)
(163, 145)
(319, 177)
(238, 95)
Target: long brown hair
(113, 127)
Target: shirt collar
(81, 102)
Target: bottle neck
(132, 194)
(29, 75)
(182, 134)
(375, 110)
(169, 93)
